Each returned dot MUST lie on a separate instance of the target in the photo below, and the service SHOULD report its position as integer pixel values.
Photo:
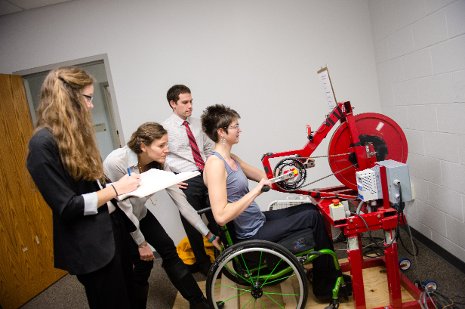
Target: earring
(223, 140)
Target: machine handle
(287, 175)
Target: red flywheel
(386, 135)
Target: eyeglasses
(235, 127)
(88, 97)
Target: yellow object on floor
(186, 254)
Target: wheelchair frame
(257, 278)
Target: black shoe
(323, 298)
(346, 290)
(193, 268)
(323, 286)
(325, 291)
(205, 268)
(202, 304)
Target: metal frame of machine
(362, 155)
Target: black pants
(177, 271)
(197, 195)
(110, 286)
(283, 222)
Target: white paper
(155, 180)
(323, 74)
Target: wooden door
(26, 244)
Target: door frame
(110, 103)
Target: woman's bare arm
(252, 172)
(215, 179)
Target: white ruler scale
(323, 74)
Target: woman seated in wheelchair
(226, 177)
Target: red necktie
(195, 149)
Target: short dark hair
(215, 117)
(174, 92)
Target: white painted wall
(420, 59)
(260, 57)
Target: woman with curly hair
(147, 148)
(89, 232)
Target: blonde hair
(63, 111)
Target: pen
(129, 171)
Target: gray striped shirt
(180, 158)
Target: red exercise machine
(360, 142)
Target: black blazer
(82, 244)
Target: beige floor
(376, 292)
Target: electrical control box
(337, 210)
(367, 185)
(398, 180)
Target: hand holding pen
(127, 183)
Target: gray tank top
(251, 219)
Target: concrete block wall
(420, 58)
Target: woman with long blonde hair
(89, 232)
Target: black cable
(370, 236)
(441, 300)
(378, 249)
(415, 246)
(400, 214)
(375, 246)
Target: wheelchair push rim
(255, 283)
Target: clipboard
(155, 180)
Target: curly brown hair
(63, 111)
(146, 134)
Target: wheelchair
(264, 274)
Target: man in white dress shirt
(189, 148)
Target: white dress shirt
(180, 158)
(116, 166)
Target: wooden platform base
(376, 292)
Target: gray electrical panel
(398, 180)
